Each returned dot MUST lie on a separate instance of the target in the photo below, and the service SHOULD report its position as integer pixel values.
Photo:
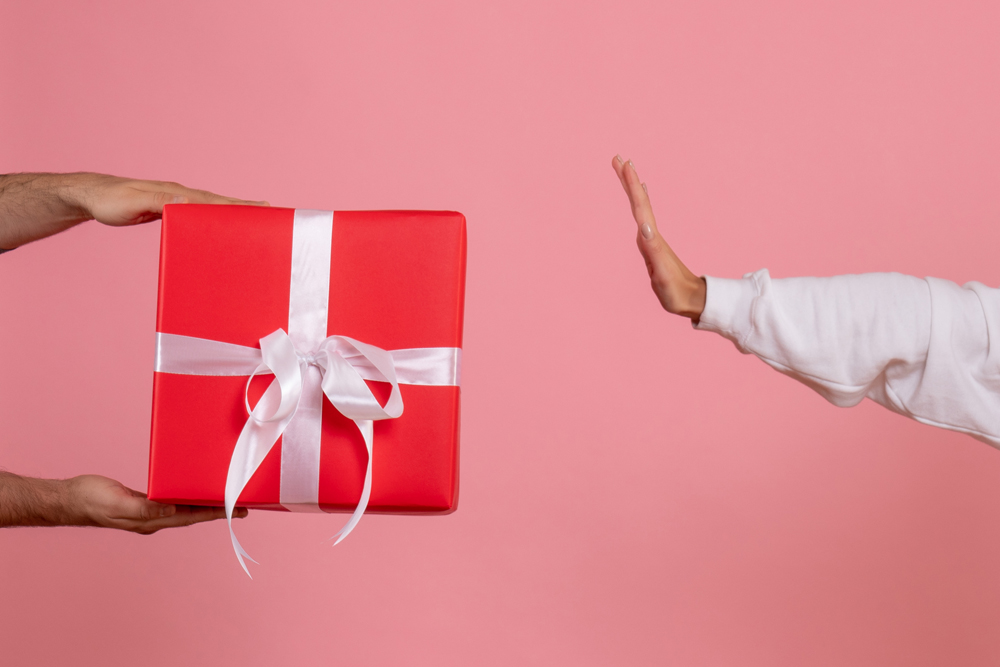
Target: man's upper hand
(33, 206)
(123, 201)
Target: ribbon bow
(345, 387)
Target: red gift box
(396, 281)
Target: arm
(90, 500)
(918, 347)
(33, 206)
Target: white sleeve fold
(918, 347)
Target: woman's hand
(679, 290)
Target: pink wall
(632, 492)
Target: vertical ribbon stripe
(308, 298)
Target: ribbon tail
(255, 441)
(367, 432)
(238, 548)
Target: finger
(180, 194)
(148, 204)
(147, 510)
(139, 508)
(188, 516)
(619, 166)
(661, 263)
(202, 197)
(642, 210)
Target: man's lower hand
(93, 500)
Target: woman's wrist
(697, 294)
(687, 298)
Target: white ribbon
(306, 365)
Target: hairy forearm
(26, 501)
(33, 206)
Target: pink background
(633, 492)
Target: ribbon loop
(280, 358)
(345, 386)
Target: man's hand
(92, 500)
(33, 206)
(122, 201)
(679, 290)
(105, 503)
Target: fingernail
(644, 188)
(631, 165)
(167, 510)
(178, 199)
(619, 158)
(646, 230)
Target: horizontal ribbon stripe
(185, 355)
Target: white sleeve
(918, 347)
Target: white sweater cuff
(729, 307)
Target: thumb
(155, 200)
(135, 206)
